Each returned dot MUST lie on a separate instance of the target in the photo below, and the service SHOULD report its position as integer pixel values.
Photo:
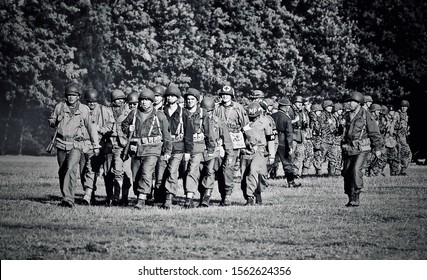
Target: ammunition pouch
(357, 146)
(177, 138)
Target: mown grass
(304, 223)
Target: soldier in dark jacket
(151, 137)
(361, 134)
(285, 135)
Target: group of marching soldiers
(146, 141)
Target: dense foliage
(313, 47)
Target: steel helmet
(173, 90)
(298, 98)
(384, 109)
(357, 97)
(404, 103)
(132, 97)
(158, 90)
(73, 89)
(284, 102)
(327, 103)
(194, 92)
(91, 95)
(146, 93)
(375, 107)
(117, 94)
(338, 106)
(254, 109)
(257, 94)
(226, 90)
(367, 98)
(208, 103)
(316, 107)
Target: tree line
(321, 48)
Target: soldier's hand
(290, 151)
(166, 157)
(378, 154)
(132, 128)
(271, 160)
(96, 151)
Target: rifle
(125, 154)
(49, 146)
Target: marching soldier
(103, 119)
(151, 136)
(390, 125)
(182, 143)
(361, 134)
(258, 134)
(223, 147)
(405, 153)
(76, 135)
(203, 144)
(285, 136)
(235, 117)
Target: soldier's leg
(308, 157)
(145, 179)
(405, 156)
(71, 175)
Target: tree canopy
(321, 48)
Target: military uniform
(361, 134)
(77, 135)
(405, 153)
(235, 118)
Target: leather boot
(258, 198)
(189, 203)
(350, 200)
(168, 201)
(292, 184)
(124, 201)
(87, 197)
(250, 201)
(140, 202)
(355, 202)
(225, 201)
(206, 198)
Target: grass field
(308, 223)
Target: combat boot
(140, 202)
(225, 201)
(168, 201)
(250, 201)
(350, 200)
(292, 184)
(189, 203)
(204, 202)
(124, 201)
(87, 197)
(355, 202)
(258, 199)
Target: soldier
(374, 165)
(224, 147)
(300, 125)
(390, 122)
(258, 134)
(121, 167)
(308, 137)
(328, 128)
(285, 135)
(76, 135)
(235, 117)
(102, 118)
(151, 136)
(182, 143)
(403, 132)
(203, 141)
(159, 91)
(316, 133)
(367, 102)
(338, 115)
(360, 134)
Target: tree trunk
(6, 130)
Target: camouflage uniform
(388, 129)
(328, 127)
(299, 127)
(405, 153)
